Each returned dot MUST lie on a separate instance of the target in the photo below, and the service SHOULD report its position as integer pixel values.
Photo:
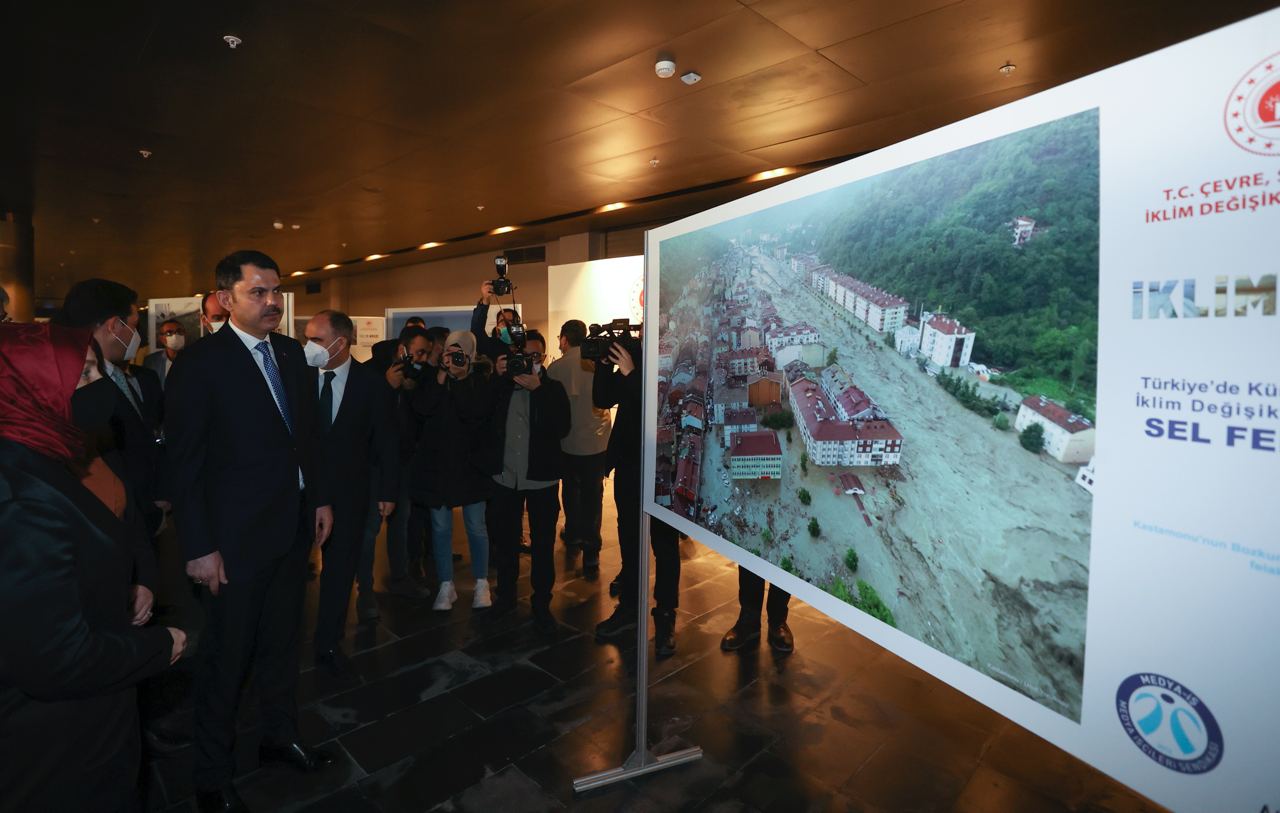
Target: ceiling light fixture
(773, 173)
(480, 207)
(426, 246)
(653, 162)
(330, 266)
(233, 42)
(144, 153)
(691, 78)
(295, 226)
(504, 229)
(277, 225)
(373, 257)
(613, 207)
(297, 273)
(664, 68)
(1008, 68)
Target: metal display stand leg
(642, 761)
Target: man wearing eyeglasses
(173, 337)
(530, 416)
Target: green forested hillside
(938, 233)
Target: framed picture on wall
(454, 317)
(185, 309)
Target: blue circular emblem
(1169, 723)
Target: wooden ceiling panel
(777, 87)
(384, 123)
(729, 47)
(689, 159)
(820, 23)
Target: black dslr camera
(455, 357)
(518, 362)
(501, 285)
(405, 363)
(620, 331)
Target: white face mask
(537, 367)
(131, 348)
(175, 342)
(215, 325)
(317, 356)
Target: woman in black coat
(454, 406)
(69, 655)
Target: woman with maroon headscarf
(69, 654)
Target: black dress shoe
(334, 663)
(617, 625)
(780, 638)
(739, 636)
(664, 633)
(222, 800)
(295, 754)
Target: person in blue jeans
(454, 406)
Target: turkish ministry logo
(1252, 114)
(1169, 723)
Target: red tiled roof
(947, 325)
(1057, 413)
(756, 444)
(875, 430)
(807, 407)
(740, 417)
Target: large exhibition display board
(597, 291)
(1005, 398)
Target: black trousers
(582, 491)
(662, 538)
(503, 514)
(252, 624)
(342, 554)
(751, 599)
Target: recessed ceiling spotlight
(503, 229)
(297, 273)
(1008, 68)
(664, 68)
(97, 220)
(277, 225)
(144, 153)
(691, 78)
(373, 257)
(653, 162)
(772, 173)
(233, 42)
(432, 244)
(480, 207)
(295, 226)
(344, 245)
(330, 266)
(164, 271)
(613, 207)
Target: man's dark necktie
(326, 401)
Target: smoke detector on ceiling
(232, 41)
(1008, 68)
(665, 68)
(691, 78)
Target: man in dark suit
(358, 430)
(110, 310)
(173, 337)
(251, 497)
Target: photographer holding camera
(508, 332)
(454, 405)
(530, 416)
(618, 382)
(410, 362)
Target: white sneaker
(445, 597)
(482, 598)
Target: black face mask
(92, 407)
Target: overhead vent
(532, 254)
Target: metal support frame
(642, 761)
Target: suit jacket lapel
(284, 360)
(249, 369)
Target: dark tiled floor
(463, 712)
